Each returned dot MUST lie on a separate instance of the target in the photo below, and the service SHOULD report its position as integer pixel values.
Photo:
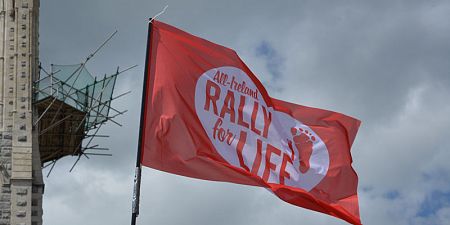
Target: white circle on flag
(235, 116)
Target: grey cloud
(385, 62)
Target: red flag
(207, 116)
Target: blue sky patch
(392, 195)
(433, 202)
(273, 60)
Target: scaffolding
(72, 105)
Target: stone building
(21, 175)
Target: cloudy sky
(384, 62)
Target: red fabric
(174, 139)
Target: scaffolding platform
(57, 140)
(72, 105)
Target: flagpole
(137, 174)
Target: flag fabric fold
(207, 116)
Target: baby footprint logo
(303, 141)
